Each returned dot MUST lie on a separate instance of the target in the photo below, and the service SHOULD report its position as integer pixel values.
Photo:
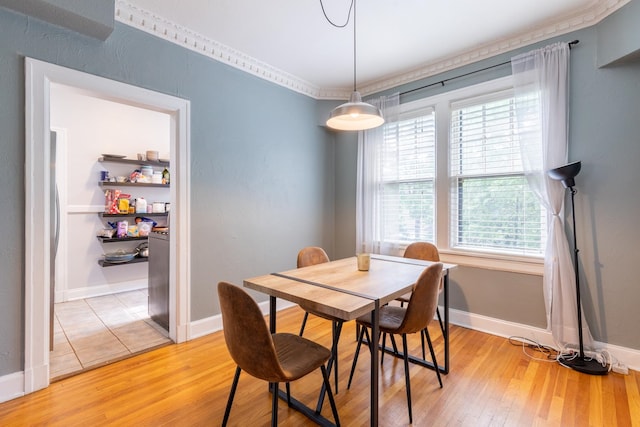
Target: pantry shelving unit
(110, 184)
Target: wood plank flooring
(492, 383)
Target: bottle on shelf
(141, 205)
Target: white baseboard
(97, 291)
(11, 386)
(209, 325)
(627, 356)
(202, 327)
(501, 328)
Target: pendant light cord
(353, 3)
(352, 6)
(333, 23)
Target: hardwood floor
(492, 383)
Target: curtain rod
(442, 82)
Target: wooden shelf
(136, 260)
(120, 239)
(147, 214)
(132, 184)
(133, 161)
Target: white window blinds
(492, 207)
(407, 179)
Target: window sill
(532, 266)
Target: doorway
(38, 204)
(99, 307)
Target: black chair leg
(371, 344)
(422, 334)
(384, 343)
(440, 320)
(355, 357)
(393, 343)
(433, 356)
(288, 386)
(274, 404)
(232, 393)
(406, 376)
(304, 322)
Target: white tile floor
(96, 331)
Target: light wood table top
(338, 288)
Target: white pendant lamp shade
(355, 115)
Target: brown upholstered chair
(312, 255)
(276, 358)
(424, 251)
(406, 320)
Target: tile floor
(95, 331)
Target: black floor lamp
(566, 174)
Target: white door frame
(39, 76)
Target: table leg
(272, 314)
(375, 333)
(446, 324)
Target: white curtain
(368, 209)
(541, 83)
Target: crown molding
(567, 24)
(141, 19)
(146, 21)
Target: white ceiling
(397, 40)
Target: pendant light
(355, 114)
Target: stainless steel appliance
(159, 278)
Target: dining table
(339, 289)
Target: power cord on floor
(550, 354)
(568, 355)
(554, 355)
(604, 357)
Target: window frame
(441, 104)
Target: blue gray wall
(262, 169)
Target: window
(407, 179)
(491, 205)
(450, 172)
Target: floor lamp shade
(566, 174)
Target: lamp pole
(575, 262)
(580, 363)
